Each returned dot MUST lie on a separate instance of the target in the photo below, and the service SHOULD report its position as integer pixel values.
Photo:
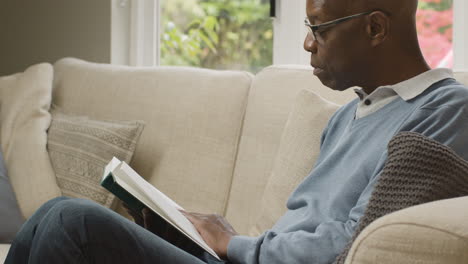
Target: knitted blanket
(418, 170)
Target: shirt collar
(413, 87)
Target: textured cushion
(193, 122)
(80, 148)
(435, 233)
(10, 214)
(299, 148)
(272, 96)
(418, 170)
(24, 113)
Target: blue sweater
(324, 210)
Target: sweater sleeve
(447, 125)
(319, 246)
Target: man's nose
(310, 44)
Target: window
(238, 34)
(216, 34)
(435, 31)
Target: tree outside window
(435, 31)
(238, 34)
(217, 34)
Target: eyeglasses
(315, 30)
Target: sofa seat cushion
(80, 148)
(25, 100)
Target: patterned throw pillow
(80, 148)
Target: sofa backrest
(462, 77)
(193, 121)
(211, 137)
(271, 98)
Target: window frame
(135, 38)
(460, 37)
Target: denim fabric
(71, 231)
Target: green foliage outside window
(217, 34)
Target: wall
(35, 31)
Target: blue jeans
(66, 230)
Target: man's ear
(378, 27)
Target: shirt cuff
(242, 249)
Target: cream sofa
(212, 139)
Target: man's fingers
(193, 217)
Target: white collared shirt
(407, 90)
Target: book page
(110, 167)
(159, 202)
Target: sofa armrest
(435, 232)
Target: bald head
(400, 9)
(392, 6)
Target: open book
(120, 179)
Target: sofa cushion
(462, 77)
(271, 98)
(80, 148)
(299, 148)
(193, 122)
(24, 113)
(10, 214)
(418, 170)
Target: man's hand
(214, 229)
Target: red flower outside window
(435, 31)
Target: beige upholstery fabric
(80, 148)
(3, 251)
(272, 95)
(435, 233)
(462, 77)
(193, 122)
(298, 150)
(24, 113)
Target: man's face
(338, 55)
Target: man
(371, 44)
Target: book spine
(112, 186)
